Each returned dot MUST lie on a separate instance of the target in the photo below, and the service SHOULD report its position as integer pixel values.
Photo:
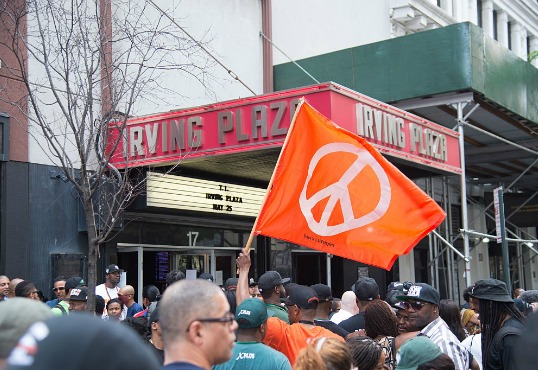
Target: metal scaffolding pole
(463, 183)
(449, 256)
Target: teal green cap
(251, 313)
(417, 351)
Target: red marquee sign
(263, 121)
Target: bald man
(197, 327)
(12, 285)
(126, 296)
(348, 308)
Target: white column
(487, 17)
(479, 253)
(447, 6)
(523, 40)
(517, 34)
(533, 41)
(406, 264)
(473, 11)
(460, 10)
(530, 258)
(502, 28)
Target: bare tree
(84, 65)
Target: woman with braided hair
(367, 354)
(380, 324)
(501, 323)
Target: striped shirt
(439, 332)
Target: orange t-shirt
(290, 339)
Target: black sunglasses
(59, 288)
(229, 318)
(415, 305)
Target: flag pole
(251, 236)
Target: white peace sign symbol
(339, 192)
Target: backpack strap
(61, 308)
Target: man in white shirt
(348, 308)
(109, 289)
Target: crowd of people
(270, 323)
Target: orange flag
(332, 191)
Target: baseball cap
(270, 279)
(417, 351)
(206, 276)
(323, 291)
(74, 282)
(230, 284)
(251, 313)
(366, 289)
(16, 315)
(112, 268)
(395, 285)
(252, 282)
(78, 336)
(303, 296)
(392, 298)
(490, 290)
(421, 292)
(79, 293)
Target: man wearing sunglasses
(62, 307)
(58, 290)
(196, 325)
(422, 306)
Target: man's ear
(196, 332)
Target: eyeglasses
(229, 318)
(415, 305)
(59, 288)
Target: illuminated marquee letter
(195, 136)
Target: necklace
(306, 322)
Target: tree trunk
(93, 250)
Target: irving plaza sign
(262, 121)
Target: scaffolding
(443, 255)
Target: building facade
(414, 54)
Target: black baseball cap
(113, 268)
(304, 297)
(421, 292)
(79, 335)
(491, 290)
(271, 279)
(74, 282)
(79, 293)
(231, 284)
(323, 291)
(366, 289)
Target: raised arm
(243, 264)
